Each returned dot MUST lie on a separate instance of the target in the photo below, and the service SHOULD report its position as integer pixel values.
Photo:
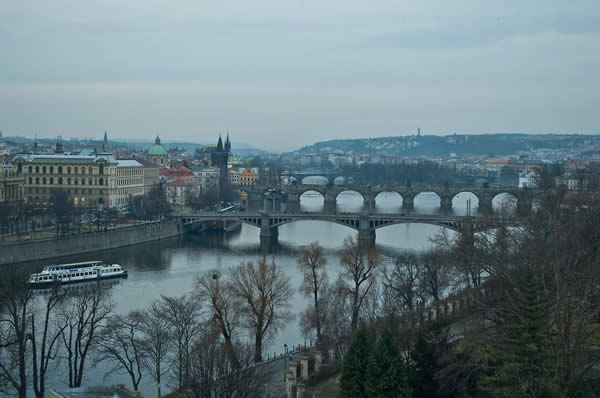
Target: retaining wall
(23, 251)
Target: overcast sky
(280, 74)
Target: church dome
(157, 149)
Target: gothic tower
(219, 159)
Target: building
(207, 177)
(571, 181)
(96, 180)
(248, 175)
(234, 176)
(179, 189)
(529, 179)
(157, 154)
(128, 184)
(151, 174)
(220, 159)
(11, 187)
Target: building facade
(157, 154)
(248, 175)
(94, 180)
(11, 187)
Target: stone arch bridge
(262, 197)
(365, 224)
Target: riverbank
(23, 251)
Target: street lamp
(285, 359)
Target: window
(30, 169)
(37, 169)
(30, 180)
(100, 181)
(83, 181)
(51, 169)
(101, 169)
(76, 181)
(76, 170)
(90, 181)
(44, 180)
(37, 180)
(83, 170)
(59, 169)
(51, 180)
(69, 181)
(68, 170)
(44, 169)
(59, 180)
(90, 170)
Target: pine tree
(354, 368)
(386, 372)
(519, 357)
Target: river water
(169, 267)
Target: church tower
(219, 160)
(105, 143)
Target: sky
(281, 74)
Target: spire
(227, 144)
(157, 140)
(35, 144)
(105, 143)
(59, 145)
(220, 144)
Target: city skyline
(283, 76)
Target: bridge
(366, 224)
(287, 197)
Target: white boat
(75, 272)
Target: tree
(120, 343)
(15, 328)
(405, 279)
(62, 208)
(183, 315)
(265, 292)
(218, 295)
(83, 319)
(44, 346)
(354, 367)
(519, 349)
(358, 266)
(311, 262)
(434, 274)
(156, 342)
(386, 372)
(213, 374)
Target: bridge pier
(446, 202)
(366, 235)
(485, 203)
(293, 203)
(408, 200)
(268, 234)
(330, 202)
(369, 203)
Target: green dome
(157, 149)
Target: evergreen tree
(424, 357)
(519, 356)
(386, 372)
(354, 368)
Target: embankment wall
(33, 250)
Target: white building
(207, 177)
(528, 179)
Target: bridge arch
(389, 199)
(352, 224)
(301, 179)
(453, 226)
(504, 198)
(420, 200)
(459, 199)
(345, 191)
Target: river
(169, 267)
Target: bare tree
(15, 329)
(435, 278)
(404, 279)
(311, 262)
(120, 343)
(44, 346)
(265, 292)
(184, 316)
(156, 342)
(83, 320)
(224, 305)
(215, 375)
(358, 265)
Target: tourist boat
(75, 272)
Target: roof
(128, 163)
(157, 149)
(65, 158)
(183, 182)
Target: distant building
(220, 160)
(571, 181)
(248, 175)
(179, 189)
(234, 176)
(529, 179)
(11, 186)
(151, 174)
(157, 154)
(90, 180)
(207, 177)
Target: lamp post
(285, 359)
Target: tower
(59, 145)
(219, 160)
(105, 143)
